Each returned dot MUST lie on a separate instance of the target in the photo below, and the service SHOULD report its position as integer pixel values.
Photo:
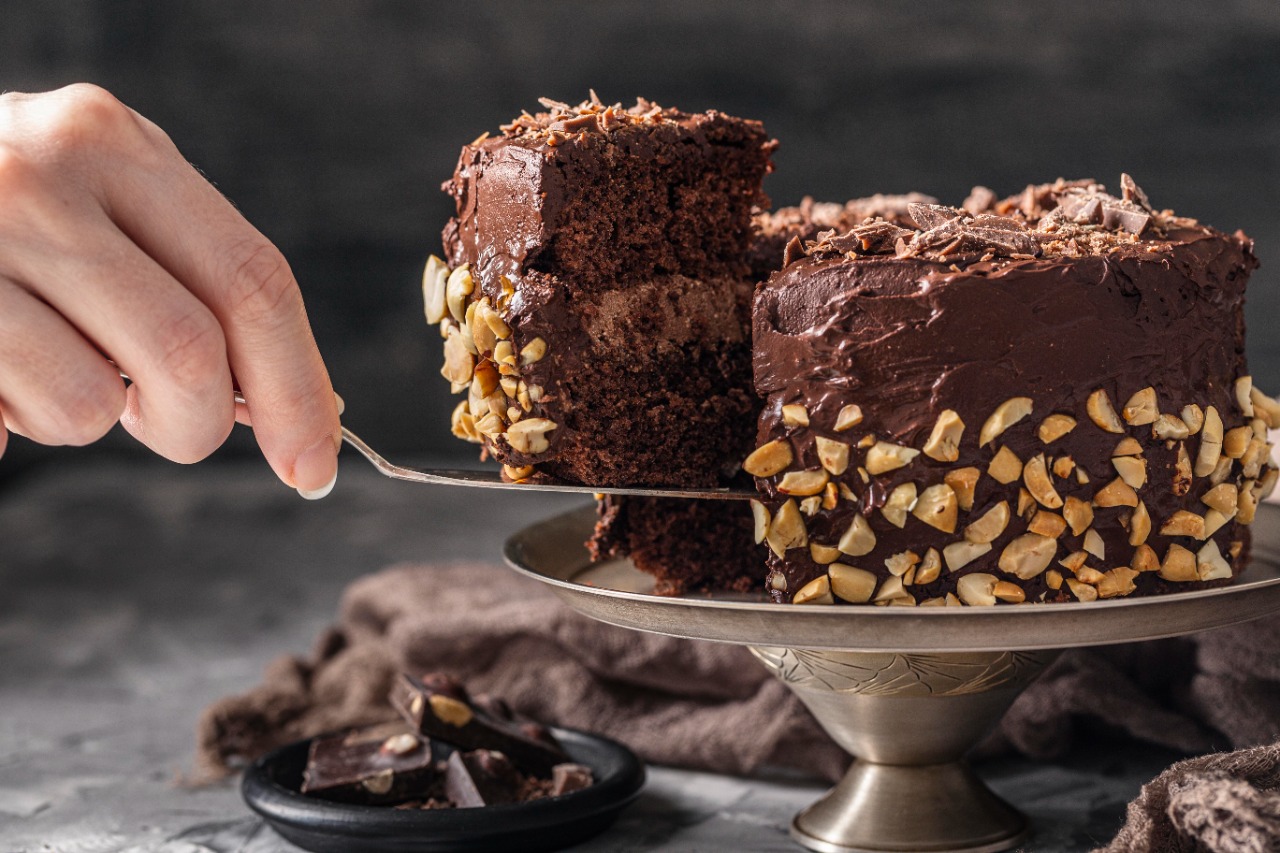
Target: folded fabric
(712, 707)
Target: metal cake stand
(907, 691)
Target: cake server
(489, 479)
(493, 479)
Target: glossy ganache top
(1058, 311)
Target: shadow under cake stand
(907, 691)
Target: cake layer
(1047, 401)
(688, 546)
(596, 304)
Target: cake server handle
(490, 479)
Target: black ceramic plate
(271, 788)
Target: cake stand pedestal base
(909, 719)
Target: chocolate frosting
(907, 334)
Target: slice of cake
(1038, 399)
(707, 546)
(595, 304)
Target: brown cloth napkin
(712, 707)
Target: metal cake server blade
(493, 479)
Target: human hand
(114, 249)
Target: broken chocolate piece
(479, 778)
(567, 778)
(440, 708)
(379, 765)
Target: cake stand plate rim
(551, 552)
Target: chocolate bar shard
(379, 765)
(440, 708)
(482, 777)
(567, 778)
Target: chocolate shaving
(928, 216)
(1130, 191)
(979, 200)
(793, 252)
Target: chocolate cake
(1043, 398)
(595, 303)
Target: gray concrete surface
(133, 594)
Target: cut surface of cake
(595, 299)
(1043, 398)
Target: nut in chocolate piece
(787, 530)
(899, 503)
(516, 474)
(1116, 493)
(892, 591)
(851, 584)
(962, 553)
(977, 589)
(463, 424)
(1236, 441)
(1036, 475)
(533, 352)
(504, 355)
(1063, 466)
(816, 591)
(1210, 564)
(1132, 469)
(1028, 555)
(1074, 561)
(1078, 514)
(434, 277)
(459, 363)
(1055, 426)
(529, 436)
(962, 481)
(1265, 407)
(1182, 471)
(848, 417)
(795, 415)
(883, 457)
(1210, 444)
(1142, 408)
(1009, 592)
(1128, 446)
(1102, 413)
(1247, 503)
(823, 554)
(810, 505)
(1183, 523)
(900, 564)
(401, 744)
(1005, 466)
(1094, 545)
(1221, 471)
(1170, 428)
(988, 526)
(859, 539)
(457, 288)
(1047, 523)
(937, 508)
(1053, 579)
(1006, 415)
(810, 482)
(1244, 395)
(450, 710)
(1145, 559)
(930, 567)
(944, 442)
(1223, 497)
(760, 514)
(1081, 590)
(1139, 524)
(1193, 416)
(768, 459)
(1215, 521)
(1179, 565)
(834, 455)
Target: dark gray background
(331, 124)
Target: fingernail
(316, 471)
(342, 405)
